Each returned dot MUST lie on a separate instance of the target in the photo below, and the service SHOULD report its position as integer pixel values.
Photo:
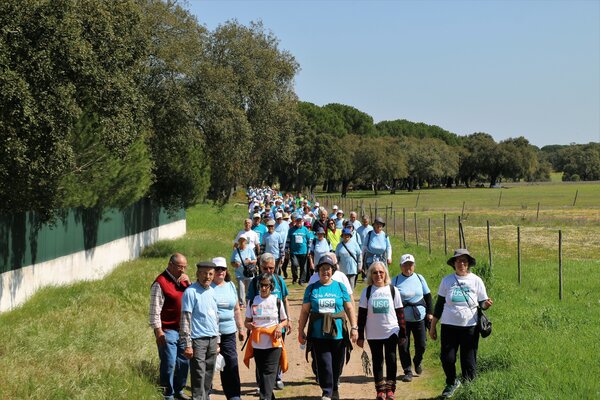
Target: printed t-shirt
(382, 321)
(326, 299)
(456, 309)
(298, 240)
(264, 314)
(337, 276)
(412, 289)
(226, 295)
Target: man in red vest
(165, 311)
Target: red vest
(171, 310)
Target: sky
(507, 68)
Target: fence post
(417, 203)
(394, 212)
(560, 269)
(538, 212)
(429, 233)
(445, 237)
(386, 214)
(575, 199)
(489, 244)
(404, 223)
(519, 253)
(499, 198)
(370, 213)
(416, 230)
(462, 213)
(460, 243)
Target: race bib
(381, 306)
(327, 306)
(298, 239)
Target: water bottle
(303, 346)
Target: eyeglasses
(220, 269)
(378, 273)
(263, 285)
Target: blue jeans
(230, 376)
(173, 365)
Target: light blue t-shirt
(339, 223)
(247, 253)
(345, 259)
(274, 243)
(326, 299)
(283, 228)
(319, 248)
(202, 303)
(377, 247)
(299, 238)
(226, 295)
(356, 224)
(412, 289)
(363, 231)
(260, 229)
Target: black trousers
(467, 339)
(419, 334)
(299, 265)
(230, 376)
(267, 362)
(380, 349)
(329, 356)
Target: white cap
(278, 215)
(316, 204)
(255, 215)
(335, 207)
(220, 262)
(407, 258)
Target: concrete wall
(18, 285)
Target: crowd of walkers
(198, 325)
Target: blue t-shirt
(298, 240)
(202, 303)
(247, 253)
(326, 299)
(363, 231)
(377, 247)
(346, 259)
(339, 223)
(319, 248)
(274, 243)
(260, 229)
(226, 300)
(412, 289)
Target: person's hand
(487, 304)
(288, 328)
(161, 339)
(184, 278)
(402, 340)
(250, 325)
(218, 349)
(188, 353)
(389, 261)
(360, 343)
(277, 332)
(240, 336)
(354, 335)
(433, 333)
(301, 337)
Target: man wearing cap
(273, 243)
(253, 240)
(298, 241)
(319, 247)
(199, 329)
(258, 227)
(416, 298)
(377, 246)
(165, 308)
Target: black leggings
(465, 337)
(419, 334)
(329, 355)
(379, 349)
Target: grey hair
(267, 257)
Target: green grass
(91, 340)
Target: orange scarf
(255, 336)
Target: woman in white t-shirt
(381, 315)
(459, 296)
(265, 319)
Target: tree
(404, 128)
(581, 160)
(355, 121)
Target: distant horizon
(509, 69)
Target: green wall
(24, 241)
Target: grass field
(91, 340)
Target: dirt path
(299, 379)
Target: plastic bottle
(303, 346)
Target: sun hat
(379, 220)
(321, 230)
(270, 222)
(461, 252)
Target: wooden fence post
(460, 243)
(537, 215)
(417, 203)
(416, 230)
(445, 237)
(519, 253)
(499, 198)
(489, 244)
(560, 269)
(429, 233)
(394, 222)
(575, 199)
(404, 223)
(462, 213)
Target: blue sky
(507, 68)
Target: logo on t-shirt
(381, 306)
(460, 294)
(327, 305)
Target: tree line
(103, 103)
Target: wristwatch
(354, 328)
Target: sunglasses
(262, 285)
(378, 272)
(220, 269)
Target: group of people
(195, 322)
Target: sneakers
(335, 395)
(419, 369)
(408, 376)
(182, 396)
(449, 390)
(390, 395)
(380, 396)
(325, 398)
(279, 385)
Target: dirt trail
(299, 379)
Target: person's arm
(185, 334)
(389, 250)
(401, 324)
(239, 321)
(157, 300)
(349, 307)
(437, 313)
(485, 304)
(289, 319)
(302, 319)
(362, 322)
